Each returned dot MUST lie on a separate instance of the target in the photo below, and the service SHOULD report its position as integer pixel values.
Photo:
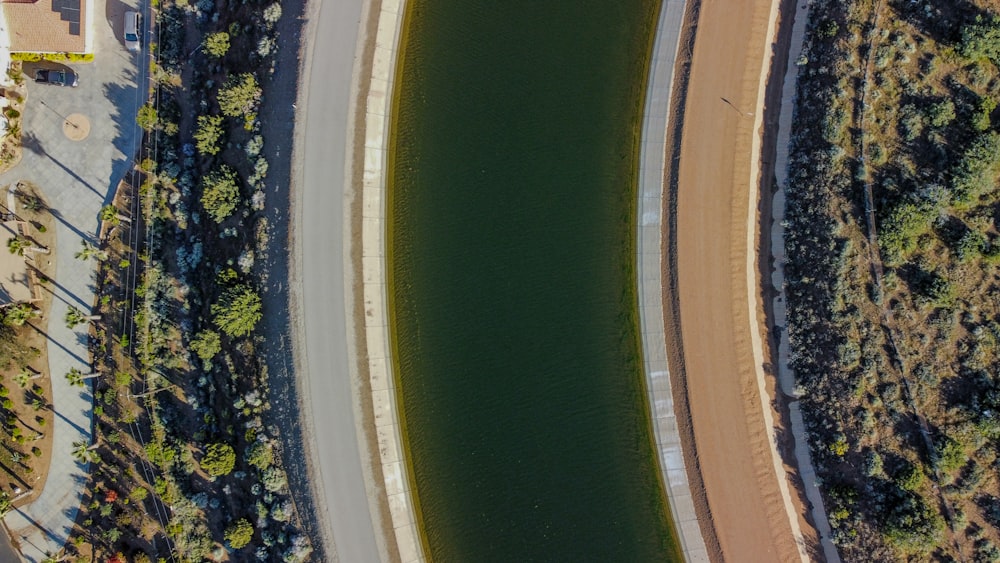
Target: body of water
(513, 170)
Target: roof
(47, 26)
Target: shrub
(981, 40)
(975, 172)
(239, 533)
(239, 95)
(942, 113)
(219, 459)
(274, 479)
(216, 44)
(220, 193)
(208, 133)
(147, 118)
(238, 311)
(206, 344)
(902, 226)
(260, 455)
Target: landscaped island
(513, 169)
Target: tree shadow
(74, 355)
(58, 216)
(31, 142)
(125, 101)
(45, 286)
(35, 523)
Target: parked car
(132, 29)
(57, 77)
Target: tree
(89, 251)
(206, 344)
(24, 376)
(20, 313)
(216, 44)
(220, 193)
(109, 214)
(260, 455)
(19, 245)
(981, 40)
(239, 95)
(75, 317)
(208, 133)
(219, 459)
(77, 377)
(84, 452)
(238, 311)
(146, 117)
(239, 533)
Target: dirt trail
(752, 510)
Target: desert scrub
(898, 381)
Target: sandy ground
(752, 512)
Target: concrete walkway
(786, 378)
(373, 244)
(77, 178)
(650, 244)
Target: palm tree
(83, 452)
(90, 251)
(75, 316)
(19, 245)
(109, 214)
(76, 377)
(24, 376)
(20, 313)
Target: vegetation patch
(893, 239)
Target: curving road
(332, 34)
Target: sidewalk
(77, 178)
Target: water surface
(513, 161)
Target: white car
(132, 29)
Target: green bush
(220, 193)
(239, 533)
(239, 95)
(238, 311)
(981, 40)
(208, 133)
(975, 173)
(219, 459)
(942, 113)
(904, 223)
(206, 344)
(216, 44)
(260, 455)
(147, 118)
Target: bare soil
(731, 462)
(25, 460)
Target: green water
(513, 161)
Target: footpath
(786, 378)
(652, 163)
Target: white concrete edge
(753, 289)
(786, 377)
(652, 166)
(378, 108)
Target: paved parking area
(78, 177)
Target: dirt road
(709, 289)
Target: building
(48, 26)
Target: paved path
(332, 35)
(77, 178)
(786, 378)
(652, 180)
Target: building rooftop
(46, 26)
